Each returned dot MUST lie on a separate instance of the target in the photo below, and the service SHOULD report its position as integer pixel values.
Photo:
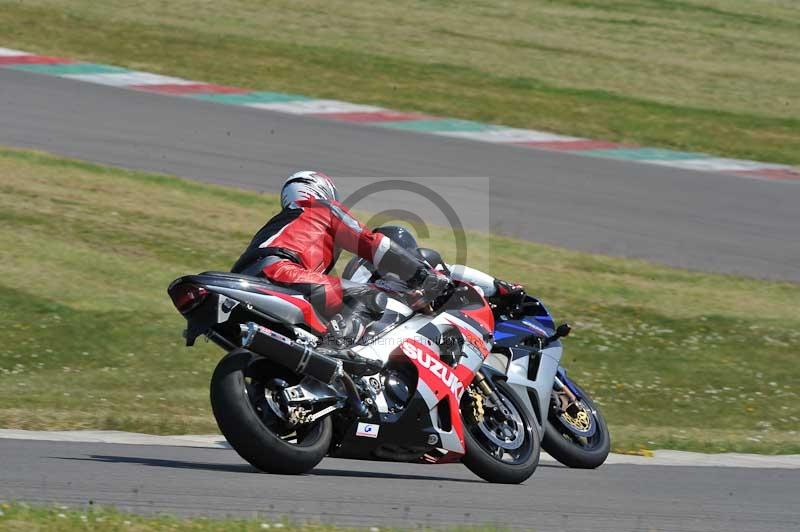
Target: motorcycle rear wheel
(487, 459)
(572, 451)
(238, 399)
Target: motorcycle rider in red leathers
(299, 246)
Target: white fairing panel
(517, 373)
(383, 346)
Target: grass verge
(18, 517)
(89, 339)
(698, 75)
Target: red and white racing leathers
(299, 246)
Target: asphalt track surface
(216, 482)
(689, 219)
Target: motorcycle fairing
(475, 349)
(394, 314)
(440, 382)
(530, 371)
(439, 385)
(482, 316)
(402, 436)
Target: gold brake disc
(581, 420)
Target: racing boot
(344, 332)
(362, 305)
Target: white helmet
(308, 184)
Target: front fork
(484, 384)
(561, 383)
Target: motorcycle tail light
(187, 297)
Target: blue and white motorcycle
(528, 349)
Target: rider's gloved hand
(435, 283)
(507, 295)
(428, 285)
(508, 290)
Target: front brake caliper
(477, 405)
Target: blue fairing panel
(538, 323)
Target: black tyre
(240, 388)
(578, 439)
(502, 447)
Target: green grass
(720, 76)
(89, 338)
(19, 517)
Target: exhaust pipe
(285, 351)
(301, 359)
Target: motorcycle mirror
(563, 330)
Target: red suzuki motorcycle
(414, 388)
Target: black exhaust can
(285, 351)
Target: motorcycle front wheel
(502, 441)
(243, 388)
(577, 436)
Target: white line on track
(504, 135)
(659, 458)
(123, 79)
(303, 107)
(8, 52)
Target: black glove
(508, 296)
(428, 284)
(436, 283)
(508, 290)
